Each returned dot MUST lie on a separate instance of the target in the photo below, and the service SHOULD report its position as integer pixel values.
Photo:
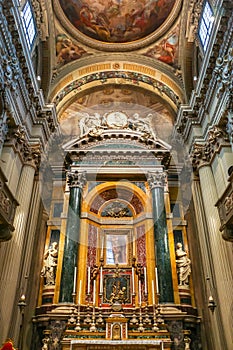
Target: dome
(117, 21)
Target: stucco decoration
(117, 21)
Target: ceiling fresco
(117, 21)
(119, 99)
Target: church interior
(116, 174)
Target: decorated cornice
(41, 18)
(16, 71)
(215, 67)
(203, 154)
(76, 179)
(224, 72)
(157, 179)
(194, 11)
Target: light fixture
(211, 304)
(22, 303)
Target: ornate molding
(41, 17)
(224, 72)
(76, 179)
(30, 154)
(202, 154)
(194, 11)
(157, 179)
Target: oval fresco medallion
(117, 21)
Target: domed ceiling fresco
(117, 21)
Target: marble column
(156, 182)
(76, 181)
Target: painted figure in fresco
(50, 264)
(183, 265)
(117, 20)
(66, 50)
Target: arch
(145, 72)
(92, 197)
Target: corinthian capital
(76, 179)
(156, 179)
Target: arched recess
(116, 240)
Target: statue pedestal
(48, 294)
(185, 295)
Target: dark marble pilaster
(76, 182)
(156, 181)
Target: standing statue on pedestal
(50, 264)
(183, 265)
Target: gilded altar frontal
(116, 173)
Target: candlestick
(157, 280)
(75, 278)
(133, 282)
(145, 280)
(80, 292)
(101, 280)
(94, 287)
(139, 293)
(88, 279)
(153, 292)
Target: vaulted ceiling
(116, 54)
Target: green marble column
(76, 182)
(156, 181)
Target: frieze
(133, 77)
(76, 179)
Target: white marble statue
(183, 265)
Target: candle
(88, 279)
(94, 287)
(133, 284)
(153, 292)
(145, 280)
(75, 278)
(101, 280)
(102, 248)
(139, 293)
(80, 292)
(162, 347)
(157, 280)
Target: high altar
(116, 272)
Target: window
(206, 24)
(29, 24)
